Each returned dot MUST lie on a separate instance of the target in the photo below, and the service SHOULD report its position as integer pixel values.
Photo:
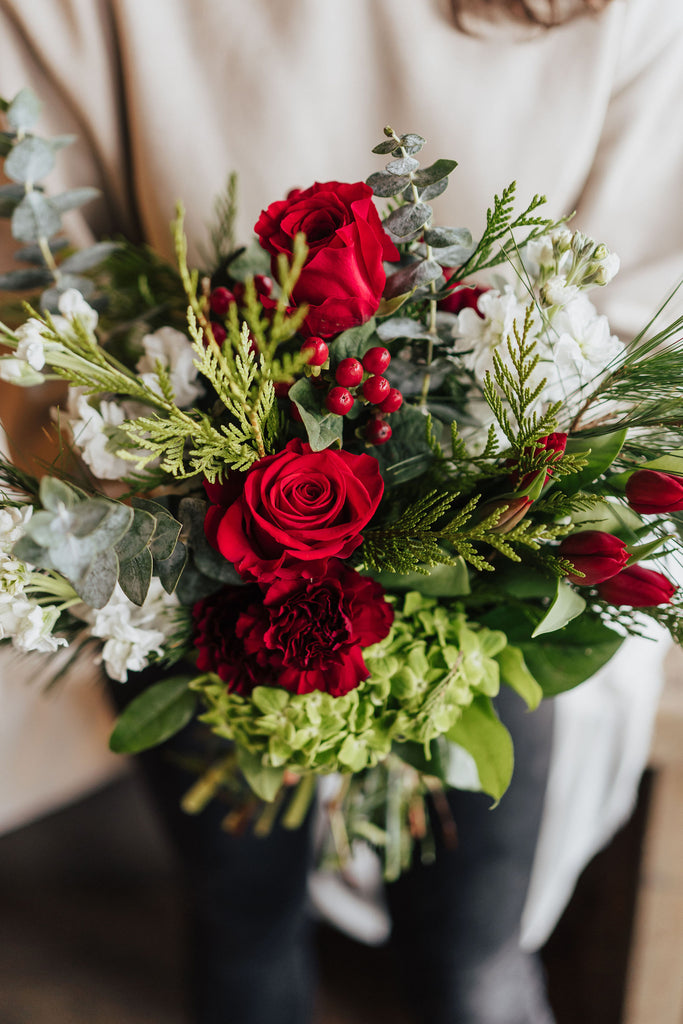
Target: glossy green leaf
(153, 717)
(566, 605)
(324, 429)
(515, 673)
(481, 733)
(264, 780)
(603, 450)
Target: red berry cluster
(363, 376)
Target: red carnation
(638, 587)
(304, 635)
(298, 509)
(596, 554)
(343, 277)
(653, 493)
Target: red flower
(462, 298)
(638, 587)
(556, 443)
(654, 493)
(596, 554)
(298, 509)
(304, 635)
(343, 277)
(215, 618)
(309, 634)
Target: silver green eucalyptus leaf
(412, 143)
(388, 146)
(86, 259)
(167, 528)
(412, 276)
(169, 570)
(96, 585)
(403, 165)
(454, 255)
(55, 493)
(22, 280)
(384, 184)
(439, 238)
(24, 110)
(428, 193)
(10, 197)
(30, 160)
(35, 217)
(137, 537)
(435, 172)
(408, 219)
(74, 197)
(135, 576)
(34, 254)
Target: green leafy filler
(430, 668)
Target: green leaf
(35, 217)
(408, 219)
(670, 463)
(514, 672)
(323, 428)
(169, 570)
(454, 255)
(353, 343)
(435, 172)
(10, 197)
(137, 536)
(96, 585)
(610, 517)
(24, 110)
(89, 258)
(19, 280)
(73, 198)
(603, 450)
(408, 278)
(385, 184)
(30, 160)
(353, 754)
(440, 238)
(211, 563)
(566, 605)
(270, 699)
(55, 493)
(485, 738)
(167, 529)
(442, 581)
(412, 143)
(135, 576)
(640, 551)
(153, 717)
(264, 780)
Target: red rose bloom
(298, 509)
(638, 587)
(652, 493)
(303, 635)
(596, 554)
(343, 278)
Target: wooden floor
(91, 929)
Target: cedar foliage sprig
(501, 222)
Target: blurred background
(91, 916)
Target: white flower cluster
(26, 623)
(35, 346)
(93, 421)
(573, 341)
(132, 634)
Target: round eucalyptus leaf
(35, 217)
(30, 160)
(74, 198)
(435, 172)
(412, 143)
(385, 184)
(408, 219)
(86, 259)
(439, 238)
(404, 165)
(19, 280)
(24, 110)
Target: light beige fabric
(168, 97)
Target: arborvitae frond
(511, 385)
(556, 503)
(500, 222)
(223, 222)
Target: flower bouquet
(339, 485)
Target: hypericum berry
(392, 402)
(263, 284)
(316, 351)
(378, 431)
(376, 389)
(220, 301)
(349, 373)
(376, 359)
(339, 401)
(219, 332)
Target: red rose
(343, 278)
(637, 587)
(462, 297)
(298, 509)
(308, 634)
(215, 618)
(653, 493)
(596, 554)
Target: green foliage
(501, 223)
(154, 716)
(480, 732)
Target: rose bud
(637, 587)
(513, 511)
(653, 493)
(596, 554)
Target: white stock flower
(28, 625)
(174, 351)
(584, 343)
(72, 305)
(17, 371)
(31, 347)
(91, 428)
(556, 291)
(477, 338)
(131, 633)
(13, 525)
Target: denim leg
(456, 922)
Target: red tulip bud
(513, 511)
(653, 493)
(555, 443)
(638, 587)
(596, 554)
